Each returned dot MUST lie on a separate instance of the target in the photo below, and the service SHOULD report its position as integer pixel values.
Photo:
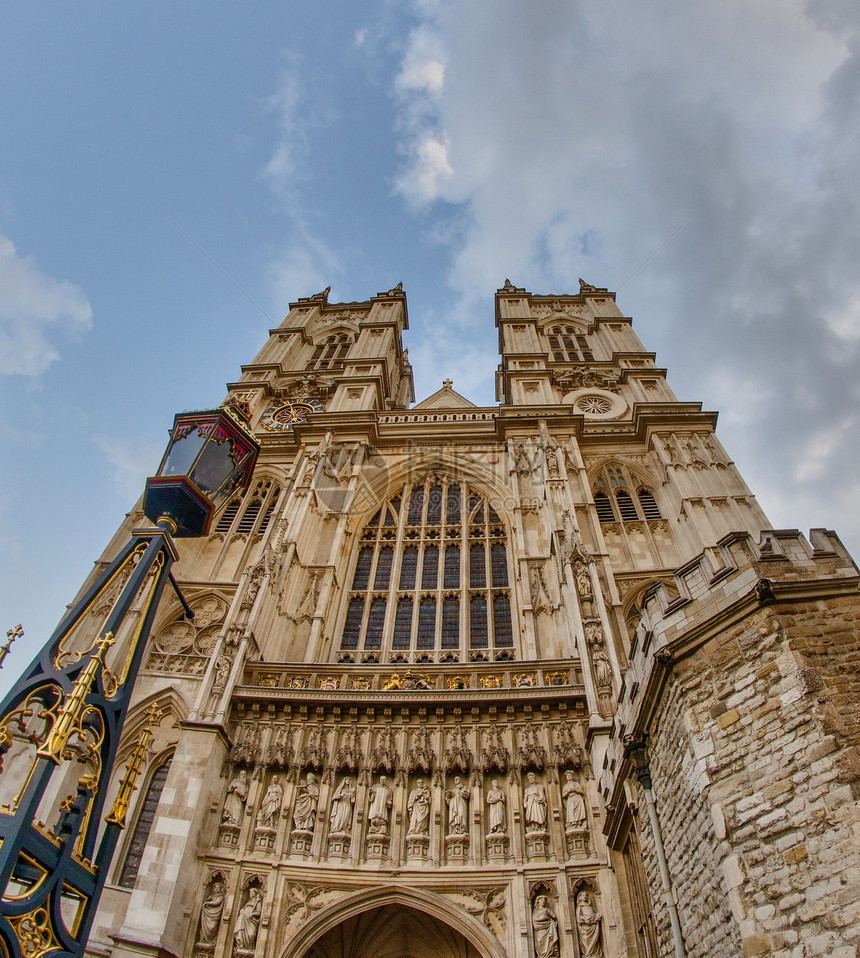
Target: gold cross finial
(11, 635)
(153, 714)
(447, 383)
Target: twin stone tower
(535, 680)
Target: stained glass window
(434, 605)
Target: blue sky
(445, 145)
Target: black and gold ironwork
(60, 725)
(59, 731)
(132, 771)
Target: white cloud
(291, 146)
(133, 463)
(573, 139)
(423, 66)
(421, 181)
(34, 307)
(359, 38)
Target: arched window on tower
(431, 578)
(331, 353)
(568, 345)
(147, 806)
(260, 503)
(614, 497)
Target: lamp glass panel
(214, 466)
(182, 453)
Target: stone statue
(545, 926)
(210, 914)
(457, 798)
(380, 805)
(222, 671)
(248, 922)
(340, 817)
(254, 581)
(534, 805)
(602, 668)
(270, 807)
(305, 809)
(574, 803)
(498, 816)
(588, 926)
(419, 809)
(583, 581)
(234, 803)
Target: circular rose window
(596, 403)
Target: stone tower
(528, 680)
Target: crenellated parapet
(714, 592)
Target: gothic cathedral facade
(535, 680)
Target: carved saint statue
(457, 798)
(380, 805)
(574, 802)
(588, 926)
(340, 817)
(305, 810)
(534, 805)
(419, 809)
(545, 926)
(498, 817)
(602, 668)
(248, 922)
(210, 914)
(222, 671)
(234, 804)
(583, 580)
(270, 807)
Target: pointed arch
(623, 492)
(631, 604)
(378, 488)
(169, 700)
(428, 903)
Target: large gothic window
(568, 345)
(431, 579)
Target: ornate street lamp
(61, 723)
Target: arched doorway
(393, 922)
(392, 931)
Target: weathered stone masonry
(753, 754)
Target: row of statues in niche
(381, 798)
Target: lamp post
(61, 723)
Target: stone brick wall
(756, 774)
(680, 757)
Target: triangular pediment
(445, 398)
